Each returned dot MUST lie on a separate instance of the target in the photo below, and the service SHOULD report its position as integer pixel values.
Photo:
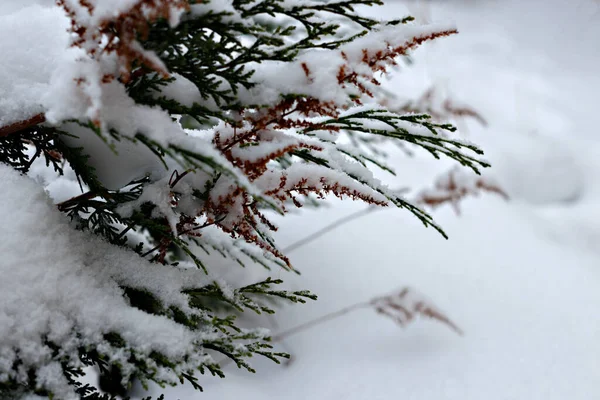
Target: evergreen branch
(433, 142)
(204, 71)
(14, 149)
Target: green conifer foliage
(198, 121)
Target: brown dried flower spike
(119, 34)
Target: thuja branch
(72, 202)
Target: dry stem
(21, 125)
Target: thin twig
(176, 177)
(307, 325)
(84, 196)
(327, 317)
(335, 224)
(195, 228)
(21, 125)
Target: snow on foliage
(185, 125)
(60, 292)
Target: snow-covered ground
(521, 278)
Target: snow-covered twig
(21, 125)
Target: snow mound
(25, 79)
(541, 171)
(61, 287)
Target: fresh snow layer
(61, 285)
(41, 28)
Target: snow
(57, 285)
(519, 277)
(182, 90)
